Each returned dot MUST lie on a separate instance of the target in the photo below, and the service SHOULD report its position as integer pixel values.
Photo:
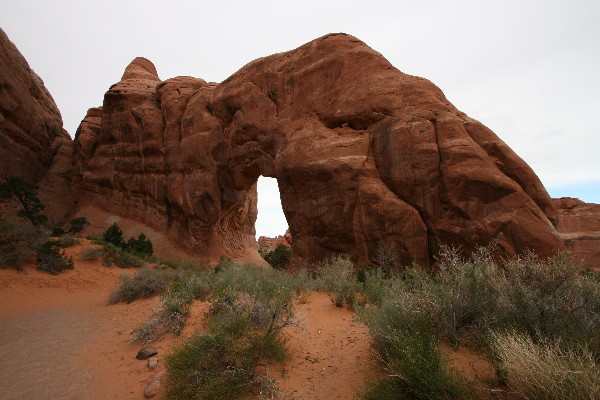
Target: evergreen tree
(114, 235)
(31, 206)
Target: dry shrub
(546, 370)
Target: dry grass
(545, 370)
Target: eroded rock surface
(272, 242)
(31, 127)
(361, 151)
(579, 227)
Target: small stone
(153, 386)
(152, 362)
(146, 352)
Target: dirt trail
(60, 340)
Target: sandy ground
(59, 339)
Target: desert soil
(59, 339)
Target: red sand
(61, 340)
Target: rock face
(31, 127)
(272, 243)
(579, 227)
(362, 153)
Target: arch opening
(270, 221)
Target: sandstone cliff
(361, 151)
(579, 227)
(31, 127)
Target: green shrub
(114, 235)
(250, 307)
(113, 255)
(57, 231)
(337, 276)
(51, 258)
(187, 286)
(142, 245)
(24, 192)
(374, 285)
(540, 300)
(144, 283)
(415, 369)
(279, 258)
(220, 365)
(76, 225)
(546, 370)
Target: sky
(527, 69)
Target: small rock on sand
(153, 386)
(146, 352)
(152, 362)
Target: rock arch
(361, 151)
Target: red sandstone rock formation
(579, 227)
(31, 127)
(272, 243)
(362, 152)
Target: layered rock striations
(362, 153)
(579, 227)
(31, 127)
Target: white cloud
(528, 70)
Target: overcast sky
(529, 70)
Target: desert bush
(546, 297)
(222, 365)
(18, 242)
(337, 276)
(57, 230)
(91, 253)
(141, 246)
(113, 255)
(373, 285)
(250, 307)
(175, 302)
(279, 258)
(144, 283)
(415, 368)
(545, 370)
(51, 258)
(76, 225)
(114, 235)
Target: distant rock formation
(271, 243)
(31, 127)
(579, 227)
(362, 153)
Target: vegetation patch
(249, 308)
(546, 370)
(51, 258)
(278, 258)
(144, 283)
